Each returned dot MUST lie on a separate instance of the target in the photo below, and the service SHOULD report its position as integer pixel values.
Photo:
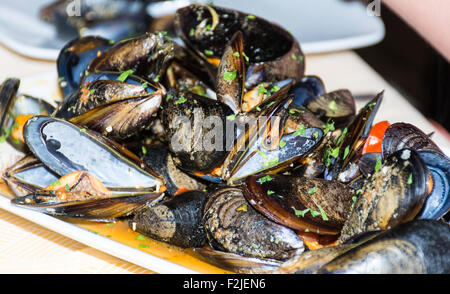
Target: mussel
(303, 204)
(273, 54)
(416, 247)
(177, 221)
(232, 225)
(394, 194)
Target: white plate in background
(319, 25)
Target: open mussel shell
(113, 108)
(234, 262)
(232, 225)
(438, 202)
(102, 92)
(196, 131)
(293, 148)
(306, 90)
(303, 204)
(160, 159)
(350, 142)
(392, 195)
(416, 247)
(177, 221)
(104, 209)
(405, 135)
(271, 49)
(75, 56)
(64, 148)
(147, 56)
(28, 176)
(230, 90)
(8, 91)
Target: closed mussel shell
(416, 247)
(392, 195)
(177, 221)
(196, 130)
(405, 135)
(232, 225)
(303, 204)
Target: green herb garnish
(181, 100)
(264, 179)
(322, 212)
(300, 130)
(410, 179)
(231, 117)
(124, 75)
(300, 212)
(312, 190)
(229, 75)
(378, 164)
(141, 238)
(208, 52)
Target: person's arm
(430, 18)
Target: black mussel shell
(416, 247)
(349, 144)
(102, 92)
(303, 204)
(158, 157)
(367, 163)
(75, 56)
(438, 202)
(235, 262)
(104, 209)
(310, 261)
(177, 221)
(405, 135)
(8, 91)
(392, 195)
(231, 74)
(28, 175)
(147, 56)
(232, 225)
(196, 130)
(306, 90)
(270, 48)
(336, 104)
(64, 148)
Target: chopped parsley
(124, 75)
(312, 190)
(229, 75)
(300, 212)
(346, 151)
(144, 150)
(264, 179)
(231, 117)
(282, 144)
(322, 212)
(378, 164)
(410, 179)
(270, 192)
(236, 54)
(300, 130)
(251, 16)
(208, 52)
(191, 32)
(181, 100)
(332, 106)
(141, 238)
